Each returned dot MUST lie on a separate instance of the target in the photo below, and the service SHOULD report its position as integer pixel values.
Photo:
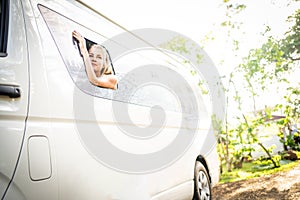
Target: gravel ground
(278, 186)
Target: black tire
(202, 186)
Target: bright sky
(195, 19)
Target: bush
(264, 162)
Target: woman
(97, 64)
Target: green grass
(251, 170)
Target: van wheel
(202, 187)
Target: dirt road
(279, 186)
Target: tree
(289, 136)
(272, 63)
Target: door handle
(12, 91)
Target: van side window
(74, 42)
(4, 18)
(87, 61)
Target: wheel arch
(201, 159)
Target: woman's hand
(81, 42)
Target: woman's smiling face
(97, 58)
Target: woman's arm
(86, 59)
(107, 81)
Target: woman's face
(97, 58)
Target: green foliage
(298, 154)
(182, 46)
(265, 65)
(177, 44)
(252, 170)
(266, 163)
(291, 44)
(224, 147)
(291, 110)
(271, 63)
(290, 141)
(275, 58)
(236, 144)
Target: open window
(129, 87)
(97, 62)
(4, 19)
(61, 29)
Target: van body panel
(13, 111)
(69, 170)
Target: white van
(63, 137)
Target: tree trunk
(228, 163)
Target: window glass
(4, 18)
(78, 59)
(128, 88)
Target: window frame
(4, 19)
